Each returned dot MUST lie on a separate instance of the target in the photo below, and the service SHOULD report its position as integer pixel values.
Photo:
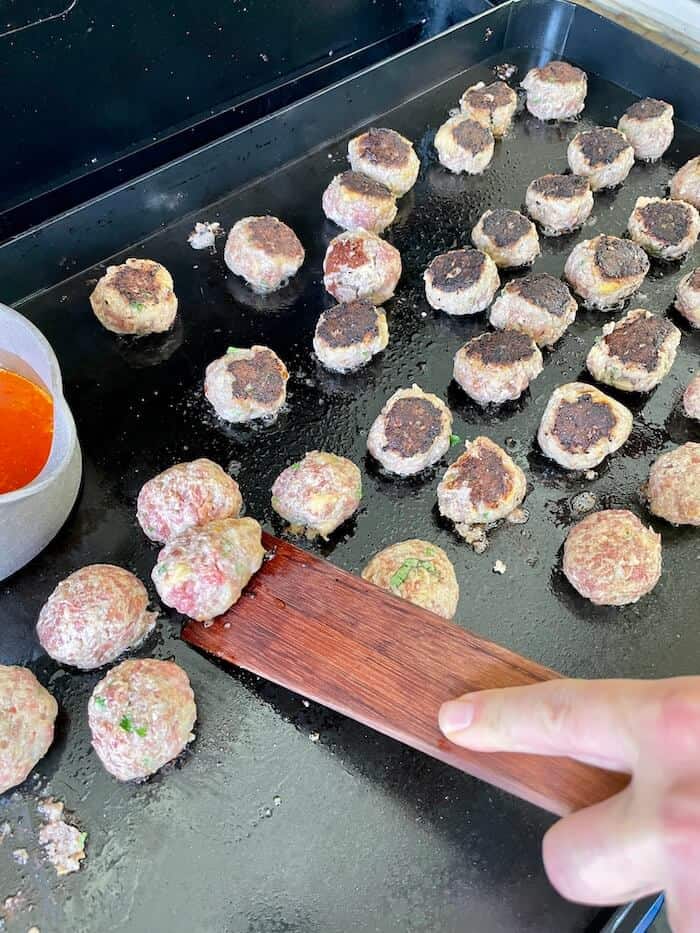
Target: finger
(680, 821)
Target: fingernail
(455, 715)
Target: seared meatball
(498, 366)
(244, 385)
(349, 335)
(141, 716)
(357, 202)
(263, 251)
(691, 398)
(136, 298)
(581, 426)
(611, 558)
(648, 125)
(386, 156)
(94, 615)
(688, 297)
(492, 105)
(603, 155)
(418, 571)
(557, 91)
(673, 489)
(635, 353)
(685, 184)
(606, 270)
(360, 264)
(462, 281)
(667, 229)
(509, 238)
(463, 145)
(411, 432)
(27, 715)
(318, 494)
(537, 305)
(202, 572)
(559, 203)
(184, 496)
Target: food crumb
(277, 800)
(5, 830)
(591, 474)
(518, 516)
(207, 623)
(33, 930)
(314, 737)
(21, 856)
(583, 502)
(13, 904)
(50, 809)
(505, 71)
(305, 703)
(499, 567)
(64, 845)
(204, 234)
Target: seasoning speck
(499, 567)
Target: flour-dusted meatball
(507, 237)
(492, 105)
(463, 145)
(691, 398)
(537, 305)
(635, 353)
(648, 125)
(386, 156)
(27, 716)
(243, 385)
(688, 297)
(263, 251)
(94, 615)
(141, 716)
(462, 281)
(357, 202)
(184, 496)
(581, 426)
(349, 335)
(559, 203)
(202, 572)
(359, 264)
(318, 494)
(611, 558)
(411, 432)
(135, 298)
(685, 184)
(673, 488)
(603, 155)
(606, 270)
(419, 572)
(496, 367)
(667, 229)
(557, 91)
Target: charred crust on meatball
(543, 290)
(346, 253)
(620, 259)
(602, 145)
(411, 426)
(647, 109)
(472, 136)
(273, 237)
(348, 323)
(494, 95)
(500, 348)
(561, 72)
(694, 279)
(639, 341)
(457, 269)
(488, 480)
(505, 227)
(136, 283)
(666, 221)
(384, 147)
(357, 183)
(561, 186)
(580, 424)
(259, 378)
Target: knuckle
(677, 721)
(559, 711)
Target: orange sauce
(26, 430)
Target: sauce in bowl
(26, 430)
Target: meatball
(537, 305)
(202, 572)
(94, 615)
(462, 281)
(135, 298)
(359, 265)
(509, 238)
(581, 426)
(357, 202)
(691, 398)
(386, 156)
(498, 366)
(141, 716)
(648, 125)
(635, 353)
(492, 105)
(559, 203)
(673, 489)
(244, 385)
(685, 184)
(27, 715)
(557, 91)
(184, 496)
(349, 335)
(418, 571)
(463, 145)
(603, 155)
(611, 558)
(667, 229)
(263, 251)
(606, 270)
(411, 432)
(318, 494)
(688, 297)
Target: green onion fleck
(141, 730)
(82, 839)
(101, 702)
(231, 351)
(455, 439)
(137, 305)
(295, 466)
(411, 563)
(125, 724)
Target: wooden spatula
(332, 637)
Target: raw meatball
(360, 264)
(635, 353)
(349, 335)
(418, 571)
(411, 432)
(244, 385)
(556, 91)
(688, 297)
(94, 615)
(318, 494)
(357, 202)
(611, 558)
(603, 155)
(537, 305)
(136, 298)
(673, 489)
(492, 105)
(667, 229)
(463, 145)
(498, 366)
(606, 270)
(184, 496)
(263, 251)
(685, 184)
(648, 125)
(581, 426)
(202, 572)
(387, 157)
(509, 238)
(691, 398)
(141, 716)
(559, 203)
(27, 715)
(462, 281)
